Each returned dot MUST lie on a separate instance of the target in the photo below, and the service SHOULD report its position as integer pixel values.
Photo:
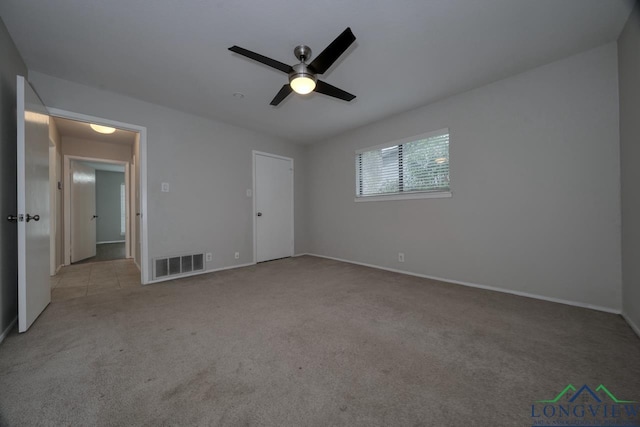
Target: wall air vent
(177, 265)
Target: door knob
(35, 218)
(259, 214)
(12, 218)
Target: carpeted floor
(307, 342)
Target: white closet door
(274, 207)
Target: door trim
(142, 131)
(255, 153)
(67, 201)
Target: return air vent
(177, 265)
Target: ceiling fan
(303, 77)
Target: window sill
(407, 196)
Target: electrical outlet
(209, 256)
(249, 193)
(237, 255)
(165, 187)
(400, 256)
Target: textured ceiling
(408, 52)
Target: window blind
(420, 164)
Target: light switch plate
(249, 192)
(165, 187)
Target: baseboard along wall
(475, 285)
(8, 329)
(633, 326)
(197, 273)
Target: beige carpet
(307, 342)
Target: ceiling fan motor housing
(301, 70)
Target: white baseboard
(8, 329)
(59, 267)
(111, 241)
(475, 285)
(635, 327)
(197, 273)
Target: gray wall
(629, 69)
(207, 163)
(535, 183)
(11, 64)
(108, 206)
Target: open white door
(83, 211)
(273, 195)
(34, 289)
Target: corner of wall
(629, 100)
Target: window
(123, 210)
(412, 168)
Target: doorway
(123, 151)
(273, 206)
(99, 209)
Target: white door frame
(142, 131)
(131, 223)
(67, 201)
(255, 153)
(53, 213)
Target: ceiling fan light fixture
(102, 129)
(301, 80)
(302, 84)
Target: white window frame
(409, 194)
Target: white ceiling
(408, 52)
(75, 129)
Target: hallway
(80, 280)
(106, 252)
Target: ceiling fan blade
(332, 52)
(282, 94)
(263, 59)
(327, 89)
